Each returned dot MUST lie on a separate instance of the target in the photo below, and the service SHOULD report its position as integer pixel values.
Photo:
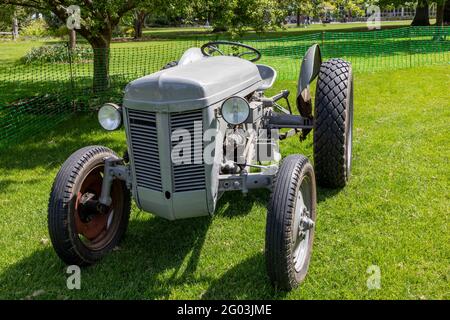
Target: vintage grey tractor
(200, 127)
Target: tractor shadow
(247, 280)
(234, 203)
(155, 257)
(51, 147)
(327, 193)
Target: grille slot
(190, 176)
(144, 148)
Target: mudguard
(308, 72)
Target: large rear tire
(80, 232)
(290, 223)
(333, 124)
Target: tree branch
(127, 6)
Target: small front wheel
(291, 218)
(81, 230)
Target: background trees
(99, 19)
(422, 15)
(13, 17)
(238, 15)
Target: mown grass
(393, 214)
(12, 51)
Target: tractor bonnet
(193, 86)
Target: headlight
(235, 110)
(110, 116)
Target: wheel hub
(87, 207)
(91, 218)
(306, 223)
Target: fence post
(409, 47)
(323, 36)
(72, 84)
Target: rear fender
(308, 72)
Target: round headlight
(109, 116)
(235, 110)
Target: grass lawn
(394, 213)
(12, 51)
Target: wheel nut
(306, 223)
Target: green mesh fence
(34, 97)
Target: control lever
(272, 101)
(283, 94)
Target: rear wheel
(333, 124)
(81, 230)
(291, 218)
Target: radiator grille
(144, 148)
(190, 176)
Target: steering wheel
(209, 48)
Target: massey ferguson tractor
(198, 128)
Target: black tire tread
(332, 95)
(278, 249)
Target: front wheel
(81, 230)
(291, 218)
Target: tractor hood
(193, 86)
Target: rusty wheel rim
(94, 228)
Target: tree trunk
(440, 13)
(139, 19)
(298, 17)
(100, 47)
(15, 28)
(72, 39)
(421, 17)
(217, 29)
(208, 18)
(446, 18)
